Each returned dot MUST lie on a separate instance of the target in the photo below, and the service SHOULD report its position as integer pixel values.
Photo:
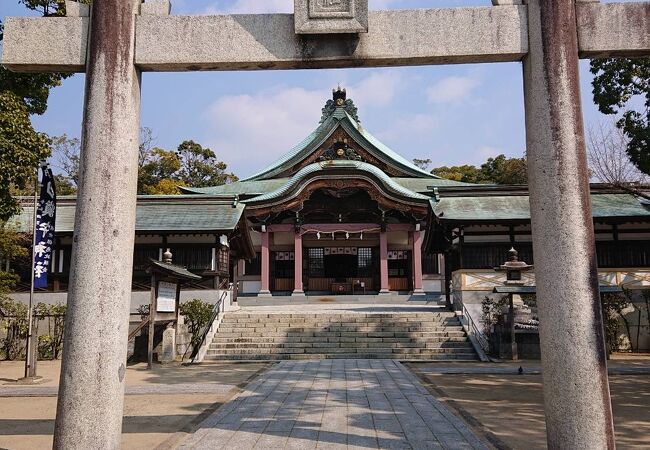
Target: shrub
(14, 323)
(55, 317)
(197, 315)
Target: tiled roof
(177, 213)
(324, 167)
(312, 142)
(516, 207)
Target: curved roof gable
(358, 167)
(344, 116)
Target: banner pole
(30, 367)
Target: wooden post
(152, 320)
(513, 337)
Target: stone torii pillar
(91, 392)
(576, 391)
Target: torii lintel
(269, 41)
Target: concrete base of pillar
(418, 292)
(384, 292)
(297, 293)
(264, 294)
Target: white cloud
(251, 7)
(453, 89)
(378, 89)
(250, 131)
(416, 126)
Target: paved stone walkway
(145, 389)
(334, 404)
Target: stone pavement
(350, 403)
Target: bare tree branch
(609, 162)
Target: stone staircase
(408, 336)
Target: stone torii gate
(121, 38)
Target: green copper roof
(240, 187)
(259, 187)
(340, 117)
(162, 214)
(341, 165)
(516, 207)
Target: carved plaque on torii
(331, 16)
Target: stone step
(312, 339)
(329, 334)
(320, 350)
(354, 317)
(324, 345)
(328, 329)
(415, 336)
(301, 356)
(418, 323)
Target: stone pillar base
(264, 294)
(384, 292)
(298, 293)
(418, 292)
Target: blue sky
(451, 114)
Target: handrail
(216, 310)
(480, 337)
(474, 333)
(140, 326)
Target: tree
(466, 173)
(502, 170)
(66, 153)
(497, 170)
(20, 96)
(617, 84)
(609, 161)
(159, 173)
(200, 167)
(422, 163)
(22, 149)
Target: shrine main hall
(341, 213)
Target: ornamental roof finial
(337, 94)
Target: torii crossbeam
(122, 38)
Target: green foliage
(490, 311)
(497, 170)
(51, 345)
(22, 149)
(197, 315)
(616, 82)
(162, 171)
(13, 316)
(466, 173)
(200, 168)
(45, 347)
(159, 174)
(613, 305)
(23, 94)
(422, 163)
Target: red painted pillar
(416, 254)
(383, 263)
(297, 267)
(264, 289)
